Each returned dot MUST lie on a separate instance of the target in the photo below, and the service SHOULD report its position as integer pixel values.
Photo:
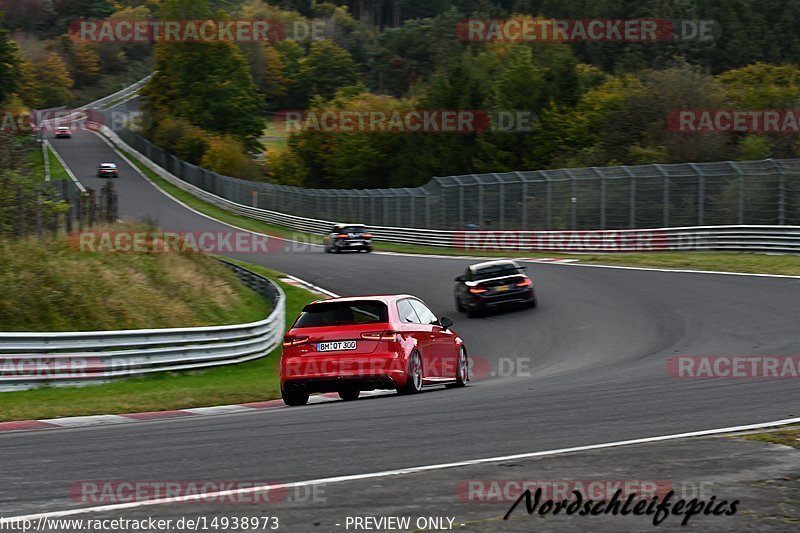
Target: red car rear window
(342, 313)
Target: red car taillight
(368, 235)
(294, 340)
(525, 283)
(389, 336)
(343, 236)
(478, 290)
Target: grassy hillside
(49, 287)
(246, 382)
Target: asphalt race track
(596, 349)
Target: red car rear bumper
(332, 373)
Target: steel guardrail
(29, 359)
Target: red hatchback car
(349, 345)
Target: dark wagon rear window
(342, 314)
(496, 271)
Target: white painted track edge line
(312, 286)
(681, 271)
(67, 169)
(397, 472)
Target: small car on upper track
(63, 132)
(348, 237)
(107, 170)
(493, 284)
(361, 343)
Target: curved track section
(597, 348)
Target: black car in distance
(493, 284)
(348, 237)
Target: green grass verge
(728, 262)
(57, 171)
(35, 160)
(245, 382)
(275, 139)
(787, 437)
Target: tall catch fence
(629, 197)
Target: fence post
(548, 200)
(740, 207)
(524, 206)
(428, 210)
(65, 197)
(701, 194)
(92, 206)
(602, 180)
(461, 221)
(573, 200)
(398, 208)
(46, 160)
(665, 177)
(480, 202)
(501, 201)
(781, 193)
(79, 210)
(632, 199)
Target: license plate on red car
(336, 346)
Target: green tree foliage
(46, 83)
(595, 103)
(275, 80)
(270, 76)
(325, 69)
(227, 156)
(761, 86)
(208, 84)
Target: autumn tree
(208, 84)
(9, 64)
(326, 68)
(46, 83)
